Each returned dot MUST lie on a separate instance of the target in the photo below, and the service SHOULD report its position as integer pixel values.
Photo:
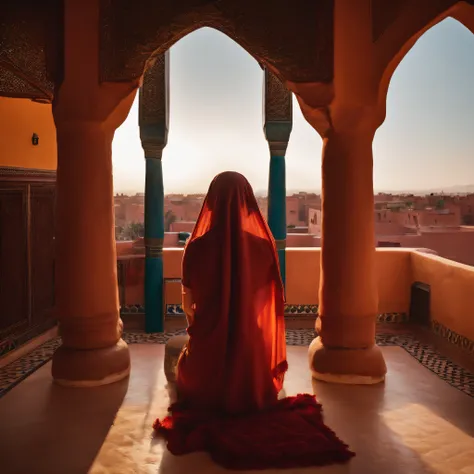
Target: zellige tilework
(456, 376)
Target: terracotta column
(86, 115)
(278, 122)
(346, 113)
(154, 116)
(345, 350)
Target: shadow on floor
(76, 420)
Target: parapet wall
(451, 284)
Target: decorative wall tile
(13, 373)
(290, 310)
(301, 309)
(453, 337)
(7, 345)
(132, 309)
(393, 318)
(174, 310)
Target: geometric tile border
(132, 309)
(453, 337)
(290, 310)
(17, 339)
(393, 318)
(456, 376)
(7, 345)
(13, 373)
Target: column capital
(152, 150)
(354, 119)
(277, 113)
(154, 107)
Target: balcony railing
(449, 285)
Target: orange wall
(452, 295)
(452, 298)
(302, 275)
(19, 119)
(394, 277)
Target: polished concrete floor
(414, 423)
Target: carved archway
(403, 34)
(293, 38)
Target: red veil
(231, 372)
(236, 356)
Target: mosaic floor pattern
(456, 376)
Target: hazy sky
(427, 140)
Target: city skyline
(425, 143)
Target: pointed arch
(297, 42)
(411, 25)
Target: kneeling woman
(231, 371)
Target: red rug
(290, 434)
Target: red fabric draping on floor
(290, 434)
(233, 367)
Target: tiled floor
(414, 423)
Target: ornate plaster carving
(31, 44)
(277, 113)
(277, 99)
(154, 106)
(295, 37)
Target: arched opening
(215, 125)
(303, 175)
(423, 151)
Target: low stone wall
(302, 280)
(451, 284)
(452, 295)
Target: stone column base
(91, 368)
(346, 366)
(173, 350)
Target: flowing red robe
(231, 372)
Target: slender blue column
(154, 235)
(277, 125)
(277, 208)
(153, 120)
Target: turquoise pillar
(278, 122)
(277, 208)
(154, 236)
(153, 120)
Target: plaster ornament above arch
(384, 14)
(31, 44)
(154, 106)
(277, 99)
(277, 113)
(292, 37)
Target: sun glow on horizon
(216, 120)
